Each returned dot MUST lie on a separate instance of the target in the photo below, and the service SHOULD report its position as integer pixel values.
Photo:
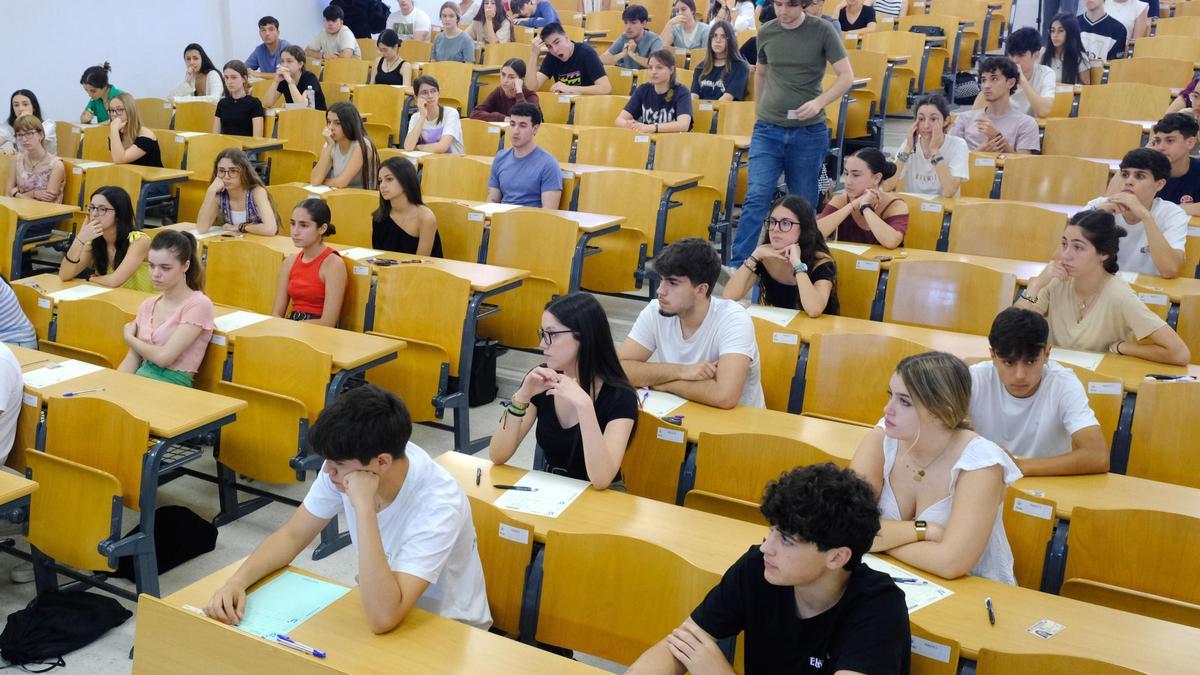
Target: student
(496, 107)
(293, 80)
(524, 174)
(108, 244)
(421, 538)
(705, 346)
(892, 8)
(580, 399)
(468, 10)
(1036, 82)
(632, 49)
(1157, 228)
(804, 598)
(865, 213)
(35, 173)
(24, 102)
(168, 338)
(1035, 409)
(940, 485)
(237, 200)
(452, 44)
(17, 329)
(238, 113)
(1088, 306)
(403, 223)
(410, 22)
(1188, 100)
(313, 281)
(336, 41)
(684, 30)
(96, 86)
(1133, 15)
(931, 162)
(724, 74)
(391, 68)
(491, 25)
(264, 60)
(738, 14)
(792, 267)
(1103, 36)
(661, 105)
(348, 157)
(1066, 55)
(1175, 137)
(201, 78)
(997, 127)
(574, 66)
(435, 127)
(790, 136)
(128, 141)
(857, 17)
(533, 13)
(817, 11)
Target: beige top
(1115, 314)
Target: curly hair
(826, 505)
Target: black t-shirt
(750, 49)
(717, 83)
(237, 115)
(866, 631)
(389, 76)
(650, 107)
(153, 156)
(307, 80)
(1184, 189)
(386, 235)
(563, 448)
(865, 17)
(1104, 39)
(581, 70)
(777, 294)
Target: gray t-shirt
(697, 40)
(646, 46)
(796, 59)
(459, 48)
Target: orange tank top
(305, 287)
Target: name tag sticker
(493, 130)
(217, 339)
(785, 338)
(670, 435)
(345, 89)
(362, 270)
(680, 51)
(931, 208)
(166, 105)
(867, 265)
(985, 161)
(708, 106)
(44, 303)
(568, 175)
(475, 217)
(626, 73)
(1154, 298)
(1043, 511)
(641, 139)
(77, 171)
(1194, 231)
(564, 99)
(517, 534)
(30, 400)
(931, 650)
(180, 139)
(1110, 388)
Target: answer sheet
(781, 316)
(285, 602)
(659, 403)
(550, 495)
(58, 372)
(918, 592)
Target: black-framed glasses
(228, 172)
(115, 111)
(98, 210)
(26, 134)
(781, 224)
(547, 336)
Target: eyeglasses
(116, 111)
(547, 336)
(427, 93)
(781, 224)
(228, 173)
(26, 134)
(98, 210)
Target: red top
(305, 287)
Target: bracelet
(1116, 348)
(242, 228)
(68, 259)
(515, 412)
(656, 128)
(520, 407)
(746, 263)
(1023, 296)
(799, 267)
(903, 156)
(863, 209)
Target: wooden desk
(1114, 491)
(171, 639)
(30, 213)
(13, 487)
(836, 438)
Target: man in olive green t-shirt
(790, 136)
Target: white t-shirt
(426, 532)
(921, 177)
(1040, 425)
(12, 386)
(726, 330)
(1043, 82)
(451, 124)
(408, 26)
(1126, 12)
(1134, 252)
(343, 39)
(469, 14)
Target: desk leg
(581, 253)
(726, 227)
(1119, 459)
(337, 384)
(332, 540)
(531, 598)
(1173, 316)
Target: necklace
(918, 471)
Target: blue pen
(645, 397)
(905, 580)
(82, 391)
(289, 642)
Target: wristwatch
(936, 159)
(863, 208)
(920, 526)
(903, 156)
(799, 267)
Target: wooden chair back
(709, 155)
(947, 294)
(416, 51)
(1154, 300)
(1029, 525)
(847, 375)
(736, 118)
(74, 508)
(778, 352)
(202, 151)
(454, 78)
(1164, 433)
(1183, 47)
(94, 143)
(1150, 70)
(289, 166)
(613, 146)
(242, 273)
(37, 307)
(155, 112)
(68, 137)
(497, 54)
(350, 211)
(1000, 663)
(460, 228)
(384, 102)
(924, 222)
(1006, 230)
(741, 465)
(556, 139)
(102, 435)
(932, 654)
(1053, 179)
(1098, 137)
(194, 116)
(622, 83)
(286, 196)
(600, 111)
(653, 458)
(421, 303)
(1125, 100)
(1188, 26)
(480, 138)
(369, 49)
(1189, 324)
(857, 283)
(301, 129)
(612, 270)
(283, 365)
(95, 325)
(505, 547)
(345, 71)
(266, 435)
(455, 177)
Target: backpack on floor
(57, 623)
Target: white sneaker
(22, 573)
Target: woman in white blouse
(201, 79)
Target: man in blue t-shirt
(1175, 137)
(524, 174)
(264, 60)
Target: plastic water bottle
(311, 97)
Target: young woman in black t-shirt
(723, 75)
(238, 113)
(391, 68)
(582, 432)
(293, 80)
(128, 141)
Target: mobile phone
(382, 262)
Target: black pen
(522, 488)
(987, 602)
(478, 476)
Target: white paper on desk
(189, 134)
(660, 403)
(417, 153)
(88, 163)
(776, 315)
(492, 207)
(206, 235)
(917, 594)
(856, 249)
(318, 189)
(359, 253)
(58, 372)
(1089, 360)
(1128, 277)
(239, 319)
(79, 292)
(551, 494)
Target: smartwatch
(799, 267)
(920, 526)
(936, 159)
(863, 208)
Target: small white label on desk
(681, 51)
(626, 73)
(318, 189)
(30, 400)
(867, 265)
(564, 99)
(474, 216)
(44, 303)
(785, 338)
(1194, 231)
(641, 139)
(345, 89)
(931, 650)
(180, 139)
(985, 161)
(568, 175)
(359, 253)
(1107, 388)
(77, 171)
(709, 106)
(931, 207)
(1154, 298)
(670, 435)
(493, 130)
(217, 340)
(1043, 511)
(362, 271)
(517, 534)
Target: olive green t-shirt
(796, 59)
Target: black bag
(377, 14)
(57, 623)
(179, 536)
(931, 31)
(483, 373)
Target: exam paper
(492, 207)
(79, 292)
(660, 403)
(551, 494)
(777, 315)
(286, 602)
(58, 372)
(239, 319)
(1089, 360)
(359, 253)
(918, 592)
(856, 249)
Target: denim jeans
(795, 152)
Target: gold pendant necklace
(918, 471)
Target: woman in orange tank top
(313, 280)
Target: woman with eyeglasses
(583, 404)
(36, 174)
(108, 244)
(24, 102)
(237, 200)
(865, 213)
(792, 266)
(435, 127)
(128, 141)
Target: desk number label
(475, 217)
(670, 435)
(77, 171)
(44, 303)
(641, 139)
(568, 175)
(1154, 298)
(1194, 231)
(931, 208)
(1043, 511)
(1113, 388)
(180, 139)
(217, 339)
(362, 270)
(517, 534)
(931, 650)
(30, 400)
(867, 265)
(785, 338)
(564, 99)
(985, 161)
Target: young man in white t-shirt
(1157, 229)
(1032, 407)
(410, 23)
(12, 386)
(336, 41)
(418, 550)
(705, 346)
(1036, 84)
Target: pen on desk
(906, 580)
(478, 476)
(34, 363)
(987, 602)
(300, 647)
(645, 397)
(83, 391)
(519, 488)
(195, 610)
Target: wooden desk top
(423, 643)
(836, 438)
(669, 178)
(31, 209)
(169, 409)
(587, 222)
(154, 174)
(1024, 270)
(1114, 491)
(14, 487)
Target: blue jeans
(797, 153)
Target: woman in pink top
(168, 338)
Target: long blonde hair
(941, 384)
(133, 121)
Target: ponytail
(185, 249)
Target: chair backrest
(285, 366)
(1053, 179)
(1105, 394)
(422, 303)
(621, 80)
(350, 211)
(1124, 101)
(384, 102)
(289, 166)
(460, 228)
(286, 196)
(609, 20)
(194, 116)
(1028, 524)
(778, 353)
(454, 78)
(703, 153)
(736, 118)
(653, 457)
(1154, 299)
(172, 147)
(479, 137)
(36, 306)
(635, 593)
(1164, 433)
(202, 153)
(1150, 70)
(1183, 47)
(534, 240)
(345, 71)
(416, 51)
(100, 434)
(242, 273)
(613, 146)
(1005, 230)
(369, 49)
(1000, 663)
(640, 195)
(896, 43)
(947, 294)
(266, 435)
(155, 112)
(72, 510)
(116, 175)
(924, 222)
(932, 654)
(556, 139)
(96, 325)
(94, 144)
(505, 547)
(455, 177)
(740, 465)
(68, 136)
(498, 53)
(847, 375)
(300, 129)
(1098, 137)
(600, 111)
(1189, 324)
(857, 282)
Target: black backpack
(377, 14)
(57, 623)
